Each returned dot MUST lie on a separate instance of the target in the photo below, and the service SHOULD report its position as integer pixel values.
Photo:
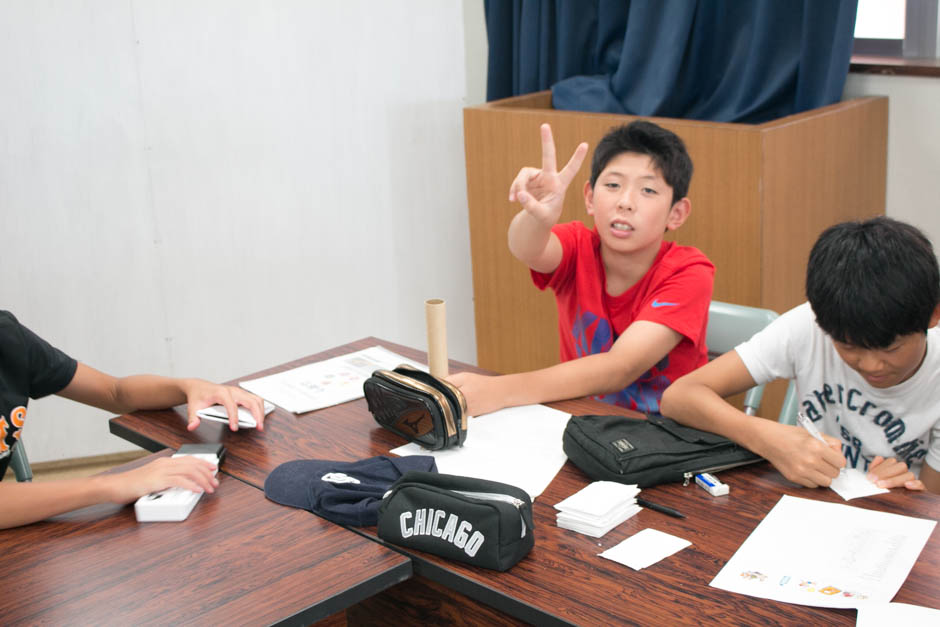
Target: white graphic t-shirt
(902, 421)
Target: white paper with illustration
(825, 554)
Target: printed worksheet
(326, 383)
(825, 554)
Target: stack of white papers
(598, 508)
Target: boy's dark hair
(872, 281)
(664, 147)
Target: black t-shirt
(29, 368)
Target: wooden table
(562, 580)
(237, 559)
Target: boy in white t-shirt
(865, 353)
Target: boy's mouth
(620, 227)
(875, 379)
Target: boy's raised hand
(541, 192)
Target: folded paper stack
(598, 508)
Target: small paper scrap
(645, 548)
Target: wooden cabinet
(760, 195)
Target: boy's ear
(935, 317)
(679, 214)
(589, 197)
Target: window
(897, 28)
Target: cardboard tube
(436, 314)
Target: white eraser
(711, 484)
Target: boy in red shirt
(632, 307)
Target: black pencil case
(417, 406)
(647, 452)
(479, 522)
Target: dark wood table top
(562, 580)
(237, 559)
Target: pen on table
(659, 508)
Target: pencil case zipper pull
(494, 496)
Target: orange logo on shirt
(12, 428)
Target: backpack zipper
(687, 477)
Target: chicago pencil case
(479, 522)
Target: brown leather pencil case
(417, 406)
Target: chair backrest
(19, 463)
(728, 326)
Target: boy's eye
(649, 190)
(612, 185)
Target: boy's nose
(869, 363)
(625, 202)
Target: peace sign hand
(541, 192)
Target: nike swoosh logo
(658, 304)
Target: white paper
(520, 446)
(852, 483)
(825, 554)
(326, 383)
(645, 548)
(613, 517)
(882, 614)
(598, 498)
(597, 527)
(598, 507)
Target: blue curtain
(722, 60)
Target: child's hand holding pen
(799, 459)
(807, 424)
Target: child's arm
(541, 192)
(639, 348)
(24, 503)
(121, 395)
(697, 400)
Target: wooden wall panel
(724, 193)
(819, 168)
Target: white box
(172, 504)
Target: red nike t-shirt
(676, 291)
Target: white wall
(913, 146)
(210, 188)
